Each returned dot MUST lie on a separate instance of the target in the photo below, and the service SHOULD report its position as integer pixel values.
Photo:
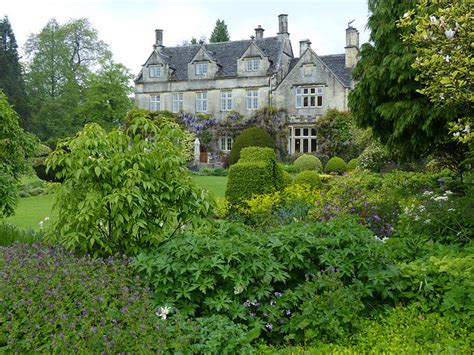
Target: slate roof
(336, 63)
(226, 55)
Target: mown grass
(32, 210)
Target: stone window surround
(155, 71)
(302, 139)
(226, 100)
(309, 96)
(178, 102)
(201, 68)
(225, 144)
(251, 99)
(252, 64)
(155, 102)
(201, 102)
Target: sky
(128, 26)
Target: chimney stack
(352, 46)
(158, 39)
(283, 24)
(259, 32)
(304, 45)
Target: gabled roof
(336, 63)
(225, 54)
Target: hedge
(250, 137)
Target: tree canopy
(15, 147)
(220, 33)
(11, 73)
(386, 97)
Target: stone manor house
(246, 75)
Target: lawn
(32, 210)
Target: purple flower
(251, 315)
(377, 218)
(246, 304)
(269, 326)
(124, 309)
(277, 294)
(288, 312)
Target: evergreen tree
(11, 76)
(386, 96)
(220, 33)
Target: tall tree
(386, 96)
(106, 98)
(11, 73)
(220, 33)
(60, 59)
(15, 147)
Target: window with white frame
(155, 71)
(178, 102)
(252, 64)
(225, 144)
(309, 97)
(201, 68)
(302, 140)
(226, 100)
(251, 101)
(201, 102)
(155, 103)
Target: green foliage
(126, 189)
(336, 165)
(106, 100)
(308, 177)
(287, 178)
(256, 173)
(250, 137)
(11, 73)
(53, 301)
(211, 172)
(386, 96)
(441, 284)
(220, 33)
(373, 158)
(308, 162)
(256, 278)
(352, 164)
(64, 92)
(10, 234)
(15, 148)
(442, 218)
(338, 135)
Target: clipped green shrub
(287, 178)
(256, 172)
(247, 179)
(352, 165)
(336, 165)
(250, 137)
(308, 177)
(308, 162)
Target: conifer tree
(220, 33)
(386, 96)
(11, 75)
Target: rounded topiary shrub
(308, 162)
(310, 178)
(250, 137)
(336, 165)
(352, 165)
(287, 178)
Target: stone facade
(243, 76)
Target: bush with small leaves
(310, 178)
(308, 162)
(336, 165)
(352, 165)
(250, 137)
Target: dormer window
(201, 68)
(155, 71)
(252, 64)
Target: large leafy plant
(126, 189)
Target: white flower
(451, 209)
(417, 218)
(405, 15)
(448, 192)
(428, 193)
(467, 129)
(433, 18)
(449, 33)
(41, 224)
(163, 312)
(447, 58)
(46, 218)
(456, 134)
(441, 96)
(441, 198)
(427, 221)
